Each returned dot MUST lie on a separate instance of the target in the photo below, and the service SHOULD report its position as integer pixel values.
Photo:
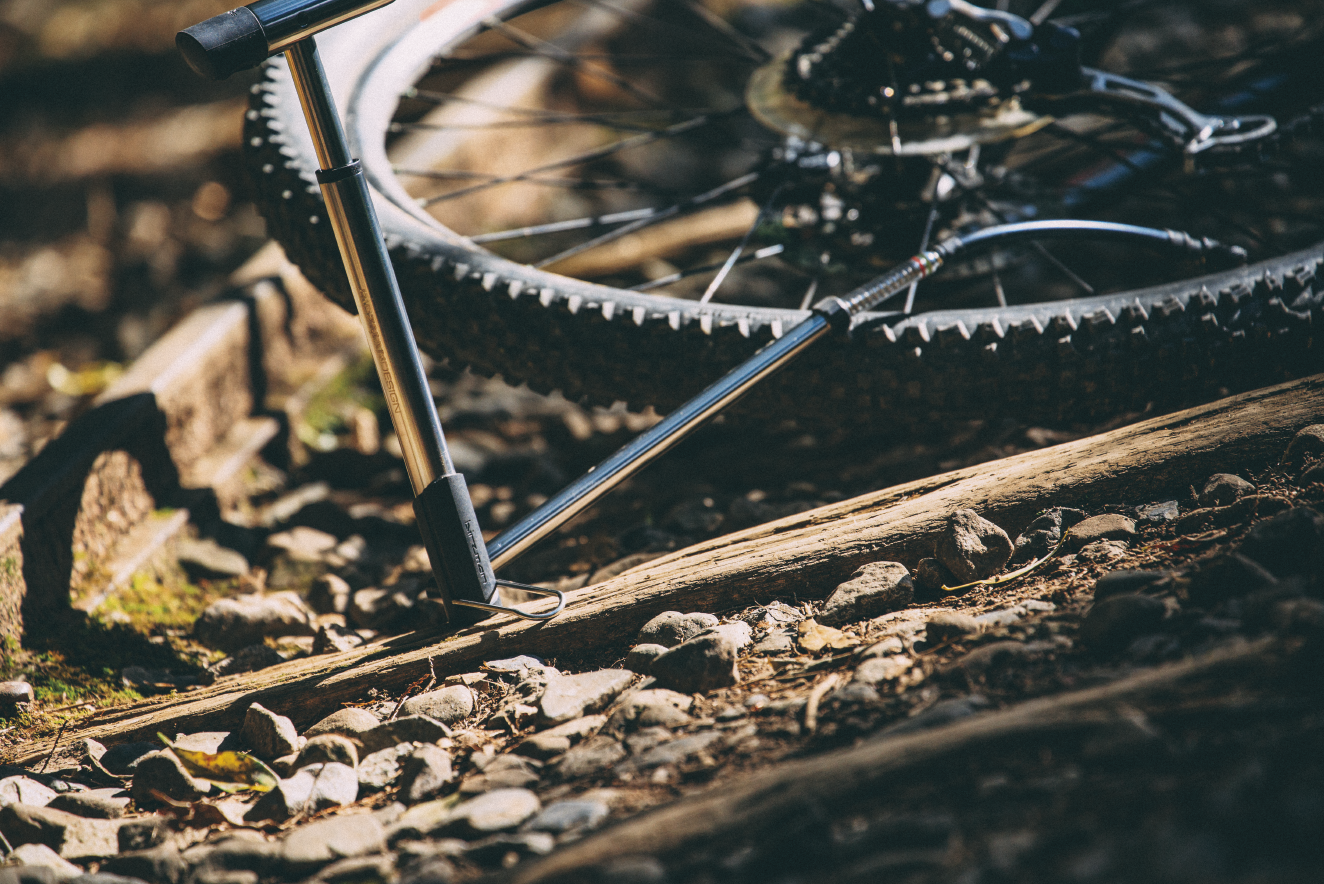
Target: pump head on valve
(242, 38)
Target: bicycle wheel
(501, 137)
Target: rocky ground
(471, 774)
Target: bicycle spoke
(744, 241)
(563, 226)
(808, 300)
(923, 244)
(760, 255)
(586, 156)
(657, 216)
(570, 60)
(566, 183)
(748, 48)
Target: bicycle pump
(243, 38)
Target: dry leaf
(227, 771)
(814, 637)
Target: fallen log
(805, 555)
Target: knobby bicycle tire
(1076, 360)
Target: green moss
(330, 409)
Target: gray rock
(207, 560)
(161, 864)
(162, 772)
(121, 760)
(407, 729)
(309, 847)
(142, 833)
(72, 837)
(772, 616)
(739, 632)
(14, 694)
(634, 869)
(25, 790)
(640, 658)
(939, 714)
(673, 752)
(503, 772)
(544, 746)
(778, 641)
(971, 547)
(671, 628)
(994, 654)
(1159, 513)
(1306, 444)
(948, 625)
(41, 856)
(332, 638)
(877, 670)
(1100, 552)
(932, 575)
(447, 705)
(568, 697)
(1222, 489)
(513, 665)
(1112, 624)
(249, 659)
(853, 694)
(329, 594)
(424, 820)
(656, 707)
(381, 768)
(874, 589)
(377, 608)
(703, 663)
(350, 722)
(102, 804)
(591, 758)
(311, 789)
(230, 624)
(495, 848)
(889, 646)
(1109, 526)
(1043, 534)
(424, 773)
(302, 544)
(1124, 582)
(328, 747)
(232, 859)
(357, 869)
(496, 811)
(269, 735)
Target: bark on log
(806, 555)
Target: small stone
(302, 544)
(877, 670)
(102, 804)
(313, 845)
(504, 847)
(358, 869)
(377, 608)
(568, 697)
(673, 752)
(207, 560)
(887, 647)
(813, 637)
(328, 747)
(1307, 443)
(25, 790)
(202, 741)
(778, 641)
(1101, 552)
(447, 705)
(950, 626)
(1109, 526)
(142, 833)
(329, 594)
(932, 575)
(14, 694)
(161, 863)
(701, 664)
(853, 694)
(269, 735)
(381, 768)
(73, 837)
(513, 665)
(503, 772)
(671, 628)
(1043, 534)
(591, 758)
(985, 657)
(351, 722)
(122, 759)
(641, 657)
(496, 811)
(772, 616)
(739, 632)
(311, 789)
(655, 707)
(939, 714)
(1229, 576)
(874, 589)
(162, 772)
(406, 729)
(1291, 542)
(424, 773)
(1124, 582)
(544, 746)
(230, 624)
(1222, 489)
(1112, 624)
(32, 856)
(576, 815)
(971, 547)
(249, 659)
(332, 638)
(1159, 513)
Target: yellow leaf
(228, 771)
(814, 637)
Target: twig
(9, 848)
(432, 681)
(71, 706)
(815, 697)
(58, 734)
(1014, 575)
